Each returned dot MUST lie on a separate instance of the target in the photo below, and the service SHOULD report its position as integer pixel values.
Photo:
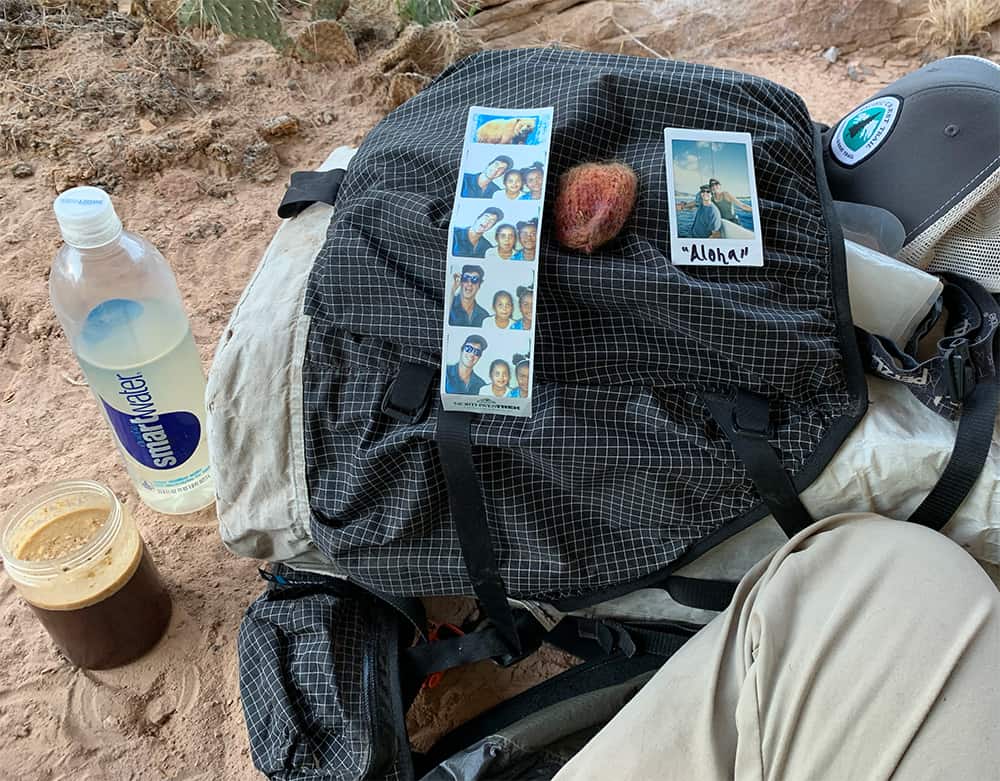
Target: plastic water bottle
(118, 302)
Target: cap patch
(864, 130)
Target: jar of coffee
(75, 555)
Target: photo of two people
(712, 190)
(509, 366)
(510, 233)
(509, 294)
(503, 178)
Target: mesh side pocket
(319, 679)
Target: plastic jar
(76, 557)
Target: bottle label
(156, 439)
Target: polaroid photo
(488, 230)
(487, 372)
(516, 174)
(490, 296)
(509, 127)
(712, 192)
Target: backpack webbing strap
(745, 421)
(468, 514)
(975, 382)
(702, 593)
(425, 658)
(309, 187)
(972, 445)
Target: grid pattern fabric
(620, 469)
(309, 696)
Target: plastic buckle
(401, 414)
(408, 395)
(609, 635)
(959, 373)
(755, 422)
(271, 577)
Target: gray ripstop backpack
(673, 408)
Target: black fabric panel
(621, 468)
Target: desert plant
(242, 18)
(329, 9)
(427, 12)
(959, 25)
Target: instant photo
(712, 192)
(487, 373)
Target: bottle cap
(86, 217)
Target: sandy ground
(176, 713)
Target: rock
(281, 126)
(326, 40)
(680, 28)
(260, 162)
(146, 126)
(831, 54)
(854, 73)
(22, 170)
(159, 711)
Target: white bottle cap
(87, 217)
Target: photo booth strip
(475, 346)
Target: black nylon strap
(701, 593)
(972, 445)
(745, 421)
(658, 642)
(409, 394)
(978, 414)
(468, 514)
(426, 658)
(309, 187)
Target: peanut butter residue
(62, 536)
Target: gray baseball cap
(927, 149)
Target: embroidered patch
(864, 130)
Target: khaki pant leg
(863, 648)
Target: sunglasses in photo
(471, 348)
(474, 279)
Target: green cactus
(329, 9)
(242, 18)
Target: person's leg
(863, 648)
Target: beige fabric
(254, 400)
(864, 648)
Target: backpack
(697, 402)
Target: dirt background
(195, 136)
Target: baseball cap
(927, 149)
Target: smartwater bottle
(118, 302)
